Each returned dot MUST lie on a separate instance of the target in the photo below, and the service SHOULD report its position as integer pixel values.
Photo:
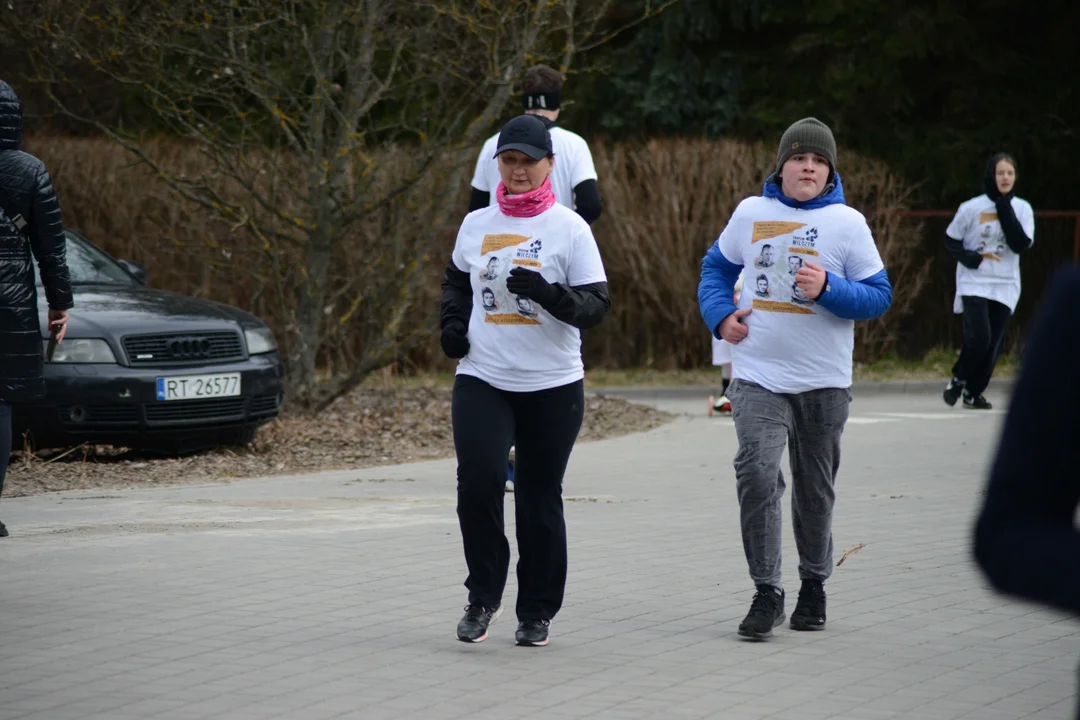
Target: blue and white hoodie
(795, 344)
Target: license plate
(195, 387)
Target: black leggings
(542, 426)
(5, 441)
(985, 322)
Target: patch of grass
(935, 365)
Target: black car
(143, 368)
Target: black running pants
(985, 322)
(542, 426)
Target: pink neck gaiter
(529, 204)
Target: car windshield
(90, 266)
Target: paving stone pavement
(337, 595)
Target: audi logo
(189, 348)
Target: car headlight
(78, 350)
(259, 340)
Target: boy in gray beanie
(791, 359)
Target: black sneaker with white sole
(976, 402)
(532, 633)
(953, 391)
(809, 613)
(766, 613)
(473, 626)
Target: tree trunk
(311, 297)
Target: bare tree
(313, 117)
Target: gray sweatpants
(811, 424)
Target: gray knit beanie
(808, 135)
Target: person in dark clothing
(1026, 540)
(519, 378)
(574, 179)
(30, 229)
(987, 237)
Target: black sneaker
(532, 633)
(977, 402)
(952, 391)
(766, 612)
(3, 530)
(809, 613)
(473, 626)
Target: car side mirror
(137, 270)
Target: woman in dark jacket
(30, 229)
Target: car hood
(102, 311)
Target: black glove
(455, 341)
(532, 285)
(971, 260)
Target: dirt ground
(366, 429)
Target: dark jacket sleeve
(587, 200)
(46, 230)
(1025, 538)
(967, 258)
(456, 297)
(582, 306)
(1015, 236)
(479, 199)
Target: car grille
(187, 349)
(265, 405)
(192, 410)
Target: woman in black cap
(987, 237)
(519, 379)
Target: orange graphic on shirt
(991, 256)
(765, 229)
(494, 243)
(528, 263)
(987, 217)
(803, 251)
(781, 307)
(508, 319)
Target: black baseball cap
(527, 134)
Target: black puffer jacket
(26, 190)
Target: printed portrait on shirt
(525, 306)
(500, 254)
(779, 249)
(761, 286)
(991, 243)
(799, 297)
(492, 271)
(766, 258)
(488, 297)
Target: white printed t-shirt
(794, 345)
(998, 276)
(514, 344)
(573, 166)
